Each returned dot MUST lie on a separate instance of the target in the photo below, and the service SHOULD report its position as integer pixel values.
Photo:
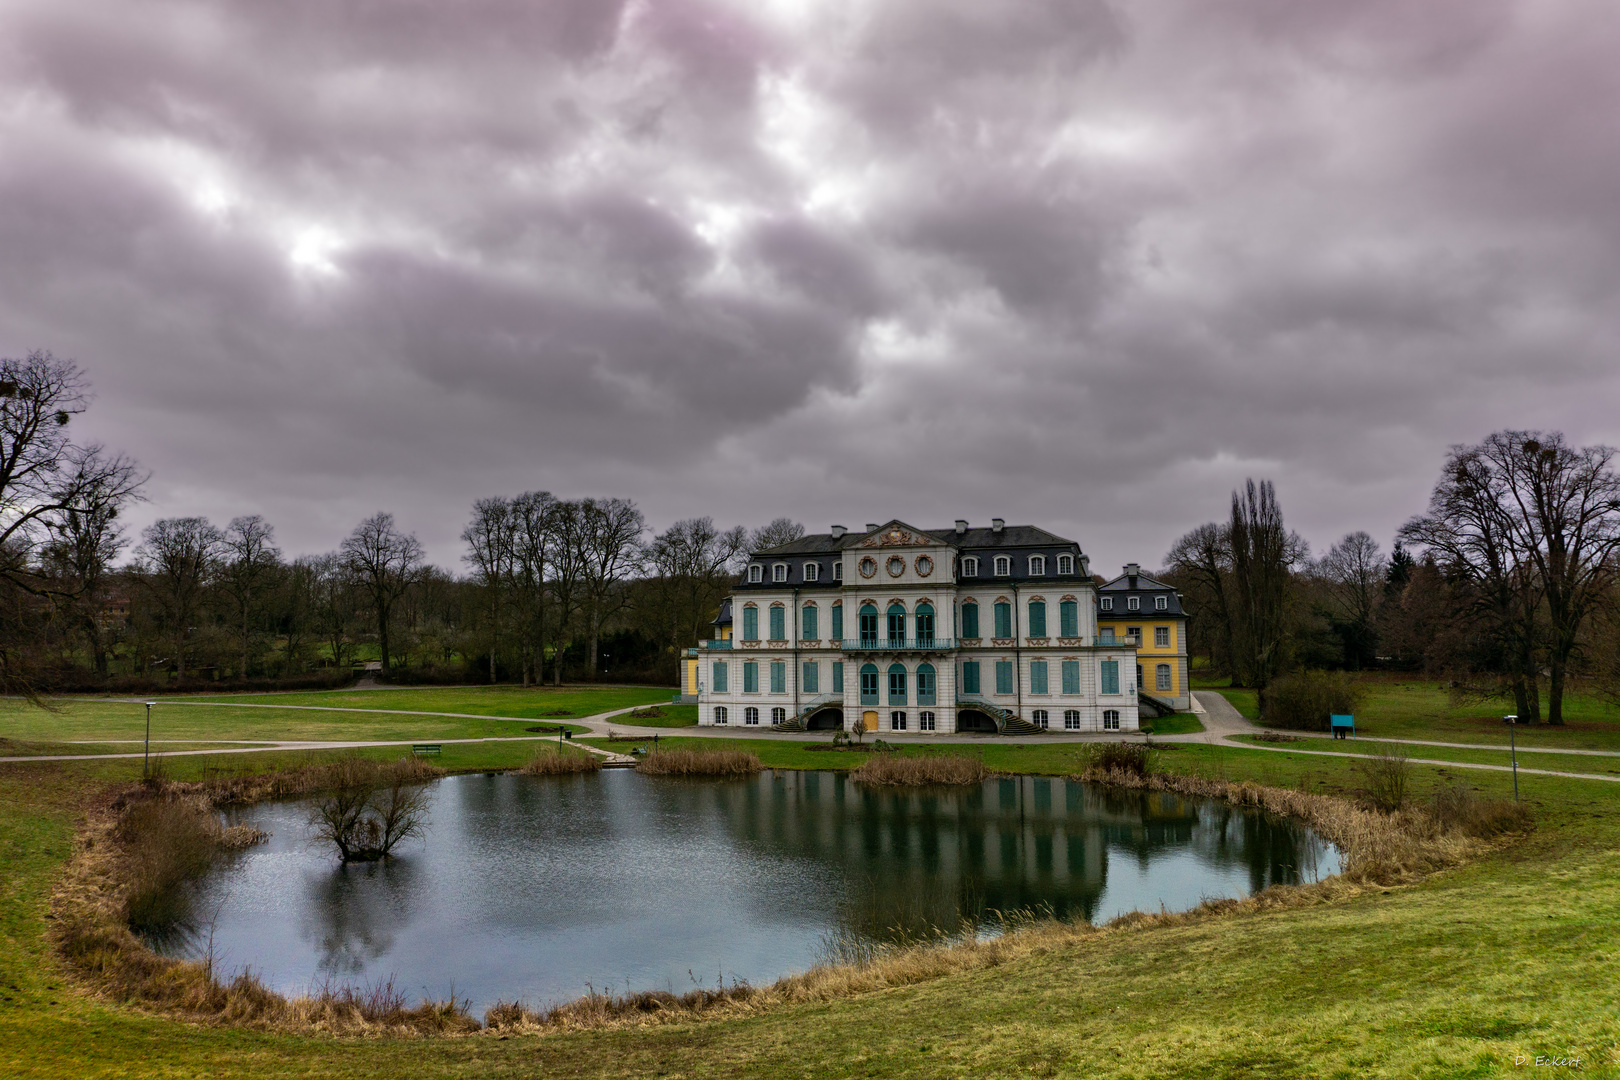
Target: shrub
(561, 762)
(370, 808)
(1387, 778)
(1305, 701)
(918, 771)
(1456, 809)
(699, 763)
(166, 842)
(1119, 757)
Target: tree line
(1507, 585)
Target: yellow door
(869, 720)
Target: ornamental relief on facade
(898, 538)
(1037, 640)
(971, 642)
(749, 644)
(1070, 642)
(1002, 642)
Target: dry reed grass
(892, 769)
(723, 763)
(561, 762)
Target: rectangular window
(925, 721)
(1105, 636)
(1037, 676)
(970, 677)
(750, 677)
(1107, 603)
(1037, 618)
(838, 622)
(970, 620)
(1161, 603)
(718, 685)
(1133, 603)
(1004, 677)
(1161, 677)
(1161, 637)
(1068, 619)
(838, 571)
(750, 623)
(778, 677)
(838, 676)
(812, 677)
(1110, 677)
(807, 620)
(1003, 620)
(779, 623)
(897, 721)
(1071, 676)
(1133, 635)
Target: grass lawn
(1510, 956)
(669, 716)
(1179, 724)
(1580, 763)
(533, 703)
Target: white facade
(892, 630)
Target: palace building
(935, 630)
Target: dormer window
(1133, 603)
(838, 571)
(970, 567)
(1037, 566)
(812, 571)
(756, 574)
(1108, 603)
(779, 572)
(1161, 603)
(1003, 566)
(1065, 564)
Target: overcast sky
(1076, 264)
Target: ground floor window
(1038, 718)
(1161, 677)
(778, 716)
(1071, 719)
(1110, 719)
(897, 721)
(750, 715)
(925, 721)
(719, 714)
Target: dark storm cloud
(1084, 264)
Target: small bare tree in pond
(370, 808)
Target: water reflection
(541, 887)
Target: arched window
(970, 620)
(1068, 619)
(1003, 619)
(1003, 565)
(869, 684)
(897, 684)
(778, 715)
(1071, 719)
(750, 623)
(1110, 719)
(1037, 566)
(779, 572)
(719, 714)
(925, 624)
(1161, 677)
(750, 715)
(1037, 618)
(897, 624)
(970, 567)
(868, 626)
(897, 720)
(1161, 603)
(838, 571)
(925, 684)
(812, 571)
(1065, 564)
(1133, 603)
(756, 574)
(1039, 718)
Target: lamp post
(1513, 749)
(146, 753)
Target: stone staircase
(1149, 705)
(1008, 721)
(797, 720)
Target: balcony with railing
(714, 644)
(889, 644)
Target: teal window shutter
(1071, 676)
(838, 674)
(1068, 619)
(897, 684)
(970, 677)
(750, 624)
(812, 677)
(970, 620)
(778, 675)
(1004, 677)
(718, 684)
(779, 623)
(838, 622)
(1110, 677)
(1037, 676)
(925, 684)
(869, 684)
(1037, 618)
(1003, 620)
(868, 624)
(750, 677)
(897, 623)
(809, 627)
(925, 623)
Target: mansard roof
(976, 539)
(1139, 584)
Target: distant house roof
(1139, 584)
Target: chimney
(838, 532)
(871, 526)
(1132, 569)
(961, 526)
(997, 524)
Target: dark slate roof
(1138, 585)
(724, 618)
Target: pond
(542, 888)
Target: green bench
(425, 748)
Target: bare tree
(335, 604)
(691, 558)
(535, 545)
(1355, 572)
(1264, 553)
(385, 562)
(569, 562)
(370, 808)
(611, 550)
(1203, 559)
(86, 538)
(491, 548)
(781, 531)
(249, 562)
(178, 558)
